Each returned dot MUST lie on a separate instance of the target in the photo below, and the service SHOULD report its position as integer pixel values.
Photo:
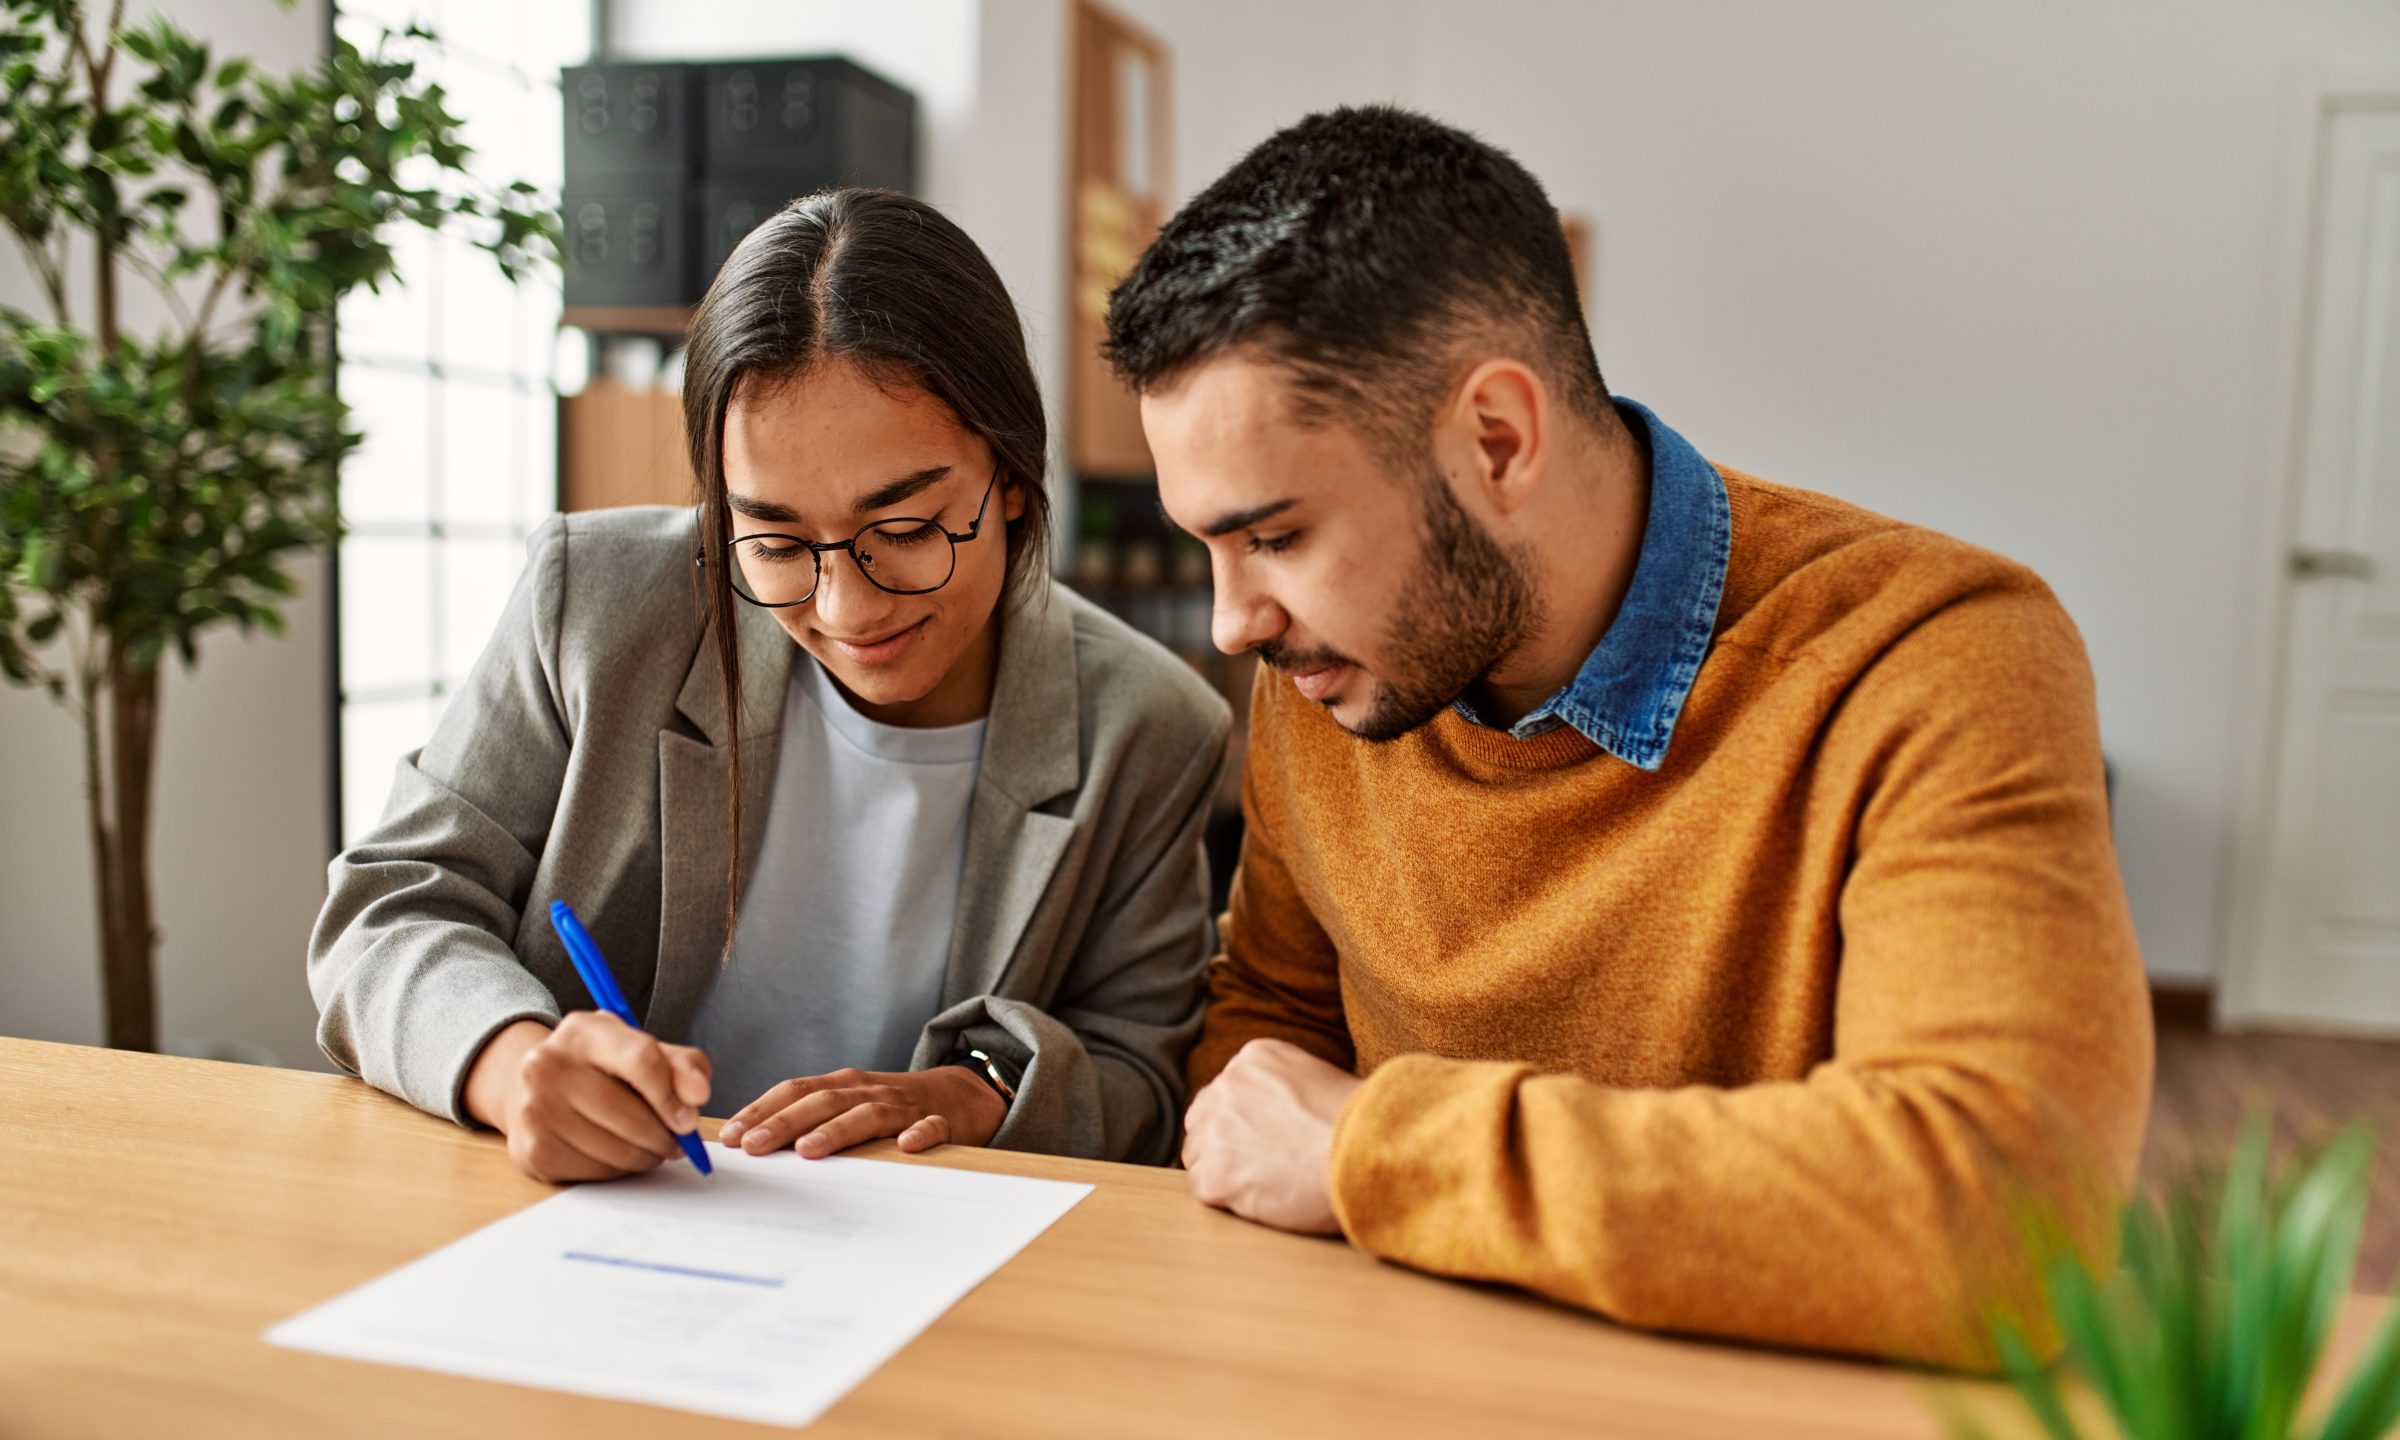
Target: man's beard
(1469, 605)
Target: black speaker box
(628, 240)
(631, 119)
(812, 123)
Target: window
(448, 372)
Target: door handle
(2308, 564)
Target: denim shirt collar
(1630, 690)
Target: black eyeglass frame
(818, 548)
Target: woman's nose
(846, 601)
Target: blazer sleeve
(411, 961)
(1104, 1078)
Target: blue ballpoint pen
(598, 979)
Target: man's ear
(1503, 411)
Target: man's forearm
(1864, 1211)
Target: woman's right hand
(590, 1100)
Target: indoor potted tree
(155, 481)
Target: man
(1686, 897)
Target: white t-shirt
(844, 934)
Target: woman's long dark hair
(889, 284)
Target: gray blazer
(584, 759)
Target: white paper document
(762, 1293)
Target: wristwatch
(992, 1070)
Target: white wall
(241, 804)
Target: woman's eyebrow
(895, 491)
(762, 509)
(889, 493)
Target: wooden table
(157, 1215)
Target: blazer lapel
(692, 771)
(1031, 752)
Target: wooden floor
(2312, 1086)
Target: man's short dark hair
(1363, 249)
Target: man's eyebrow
(1244, 519)
(904, 488)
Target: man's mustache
(1290, 662)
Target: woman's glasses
(904, 556)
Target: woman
(888, 835)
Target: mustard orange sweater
(1776, 1043)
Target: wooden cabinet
(622, 444)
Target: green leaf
(194, 150)
(2242, 1260)
(2081, 1312)
(2033, 1383)
(2369, 1405)
(38, 564)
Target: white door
(2328, 928)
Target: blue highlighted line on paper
(771, 1282)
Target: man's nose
(1240, 616)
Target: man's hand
(820, 1114)
(590, 1100)
(1259, 1138)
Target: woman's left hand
(820, 1114)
